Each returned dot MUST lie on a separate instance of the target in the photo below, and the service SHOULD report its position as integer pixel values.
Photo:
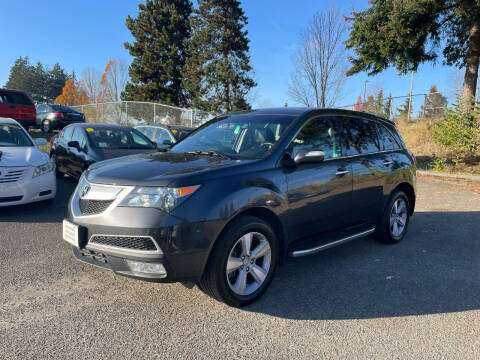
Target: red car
(17, 105)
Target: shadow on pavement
(53, 211)
(436, 269)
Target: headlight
(43, 169)
(157, 197)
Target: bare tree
(91, 83)
(321, 61)
(114, 79)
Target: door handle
(387, 162)
(341, 172)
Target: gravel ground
(419, 299)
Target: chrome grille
(93, 207)
(127, 242)
(11, 176)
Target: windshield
(13, 135)
(245, 136)
(112, 139)
(180, 133)
(62, 108)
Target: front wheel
(393, 224)
(242, 263)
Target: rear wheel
(393, 224)
(46, 126)
(242, 263)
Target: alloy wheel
(248, 263)
(398, 217)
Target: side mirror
(40, 141)
(167, 142)
(309, 156)
(74, 144)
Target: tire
(46, 126)
(393, 225)
(256, 272)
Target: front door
(319, 194)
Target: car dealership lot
(418, 299)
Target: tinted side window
(386, 139)
(3, 98)
(396, 135)
(161, 136)
(147, 131)
(321, 134)
(67, 133)
(359, 136)
(18, 99)
(79, 136)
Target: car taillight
(58, 115)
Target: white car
(26, 172)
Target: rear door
(361, 144)
(319, 194)
(23, 107)
(6, 110)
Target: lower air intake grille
(127, 242)
(10, 199)
(93, 207)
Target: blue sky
(87, 33)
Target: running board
(316, 249)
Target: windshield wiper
(209, 153)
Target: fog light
(147, 268)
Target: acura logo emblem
(85, 191)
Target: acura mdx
(225, 205)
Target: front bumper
(27, 189)
(183, 247)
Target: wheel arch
(264, 214)
(408, 189)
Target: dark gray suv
(229, 202)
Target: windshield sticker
(89, 129)
(174, 131)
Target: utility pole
(365, 92)
(410, 98)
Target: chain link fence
(414, 107)
(131, 113)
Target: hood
(115, 153)
(22, 156)
(158, 169)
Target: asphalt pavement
(419, 299)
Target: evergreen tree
(160, 30)
(406, 33)
(42, 84)
(435, 103)
(387, 107)
(217, 74)
(20, 77)
(55, 80)
(403, 109)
